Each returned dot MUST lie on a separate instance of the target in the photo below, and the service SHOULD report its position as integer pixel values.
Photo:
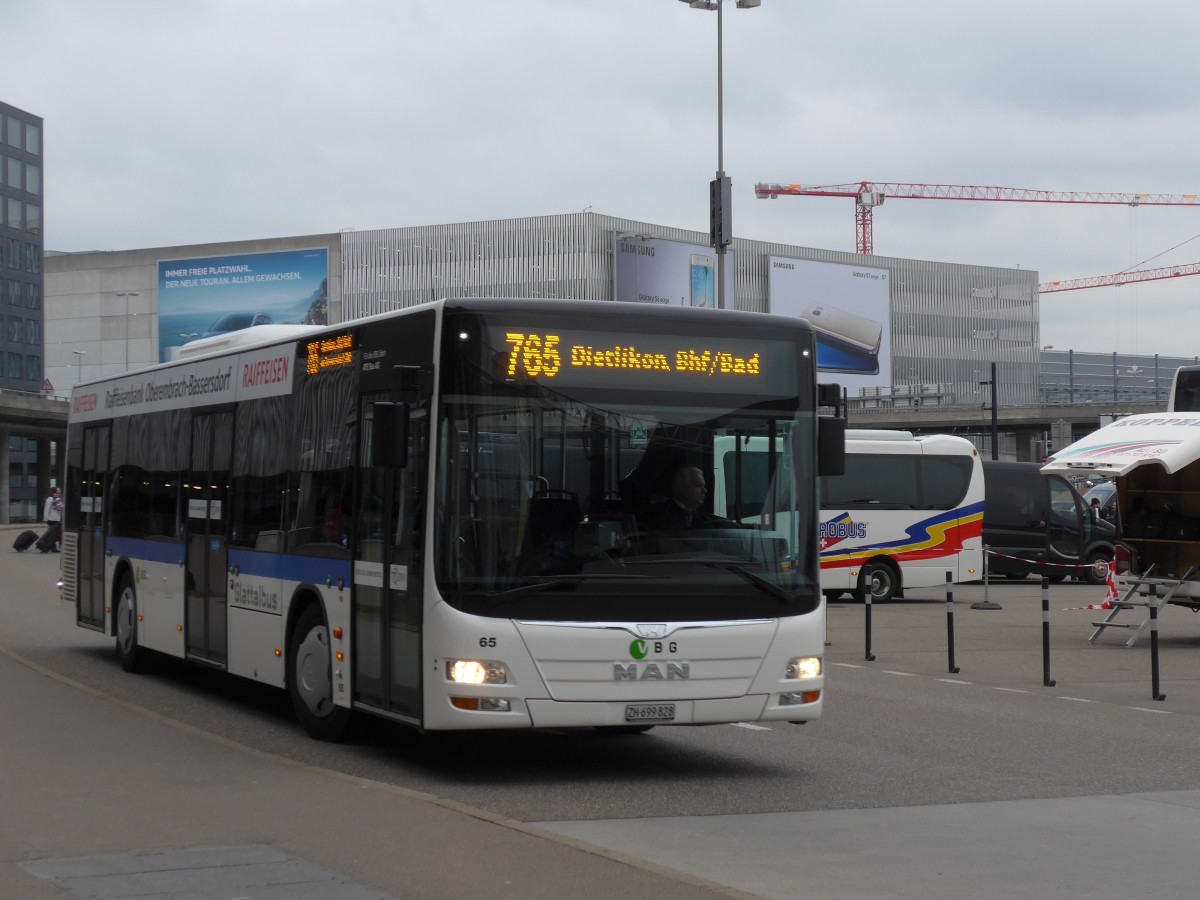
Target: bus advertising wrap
(265, 372)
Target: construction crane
(869, 194)
(1077, 284)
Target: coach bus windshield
(567, 468)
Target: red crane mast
(869, 194)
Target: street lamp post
(79, 355)
(720, 200)
(127, 295)
(995, 415)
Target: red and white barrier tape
(1038, 563)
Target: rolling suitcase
(49, 541)
(24, 540)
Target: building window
(33, 368)
(14, 330)
(14, 217)
(33, 139)
(33, 296)
(33, 179)
(33, 331)
(14, 293)
(14, 365)
(14, 131)
(14, 173)
(33, 218)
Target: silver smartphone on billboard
(703, 282)
(844, 330)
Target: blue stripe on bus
(149, 551)
(308, 569)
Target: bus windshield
(554, 495)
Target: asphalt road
(918, 782)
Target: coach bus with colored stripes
(422, 515)
(906, 510)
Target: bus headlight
(476, 671)
(802, 667)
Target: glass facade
(21, 250)
(22, 348)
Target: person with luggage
(52, 513)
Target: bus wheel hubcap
(312, 672)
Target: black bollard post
(1154, 683)
(950, 621)
(870, 657)
(1046, 679)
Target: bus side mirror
(831, 445)
(389, 435)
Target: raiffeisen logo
(638, 650)
(839, 529)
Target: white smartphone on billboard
(703, 283)
(841, 328)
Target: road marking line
(849, 666)
(750, 726)
(1078, 700)
(905, 674)
(1014, 690)
(1161, 712)
(954, 681)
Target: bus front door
(89, 494)
(207, 536)
(388, 575)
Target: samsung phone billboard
(211, 294)
(670, 272)
(850, 309)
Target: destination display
(569, 358)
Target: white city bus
(906, 510)
(432, 515)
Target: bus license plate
(650, 712)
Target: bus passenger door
(207, 536)
(89, 493)
(388, 572)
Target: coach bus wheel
(879, 580)
(1097, 571)
(310, 680)
(129, 654)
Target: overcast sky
(194, 121)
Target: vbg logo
(637, 649)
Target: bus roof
(1170, 439)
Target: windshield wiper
(761, 583)
(757, 580)
(557, 581)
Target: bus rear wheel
(310, 678)
(879, 581)
(131, 657)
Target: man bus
(431, 515)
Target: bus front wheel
(131, 657)
(310, 680)
(879, 581)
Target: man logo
(672, 671)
